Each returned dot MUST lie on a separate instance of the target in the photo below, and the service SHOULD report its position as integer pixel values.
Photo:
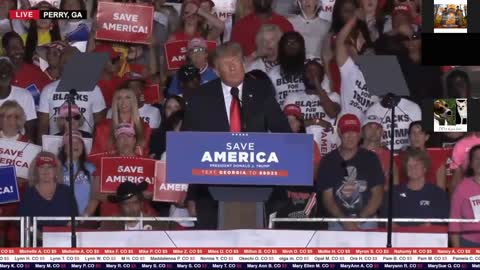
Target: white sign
(475, 203)
(224, 9)
(244, 238)
(52, 144)
(18, 154)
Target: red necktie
(235, 120)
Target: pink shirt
(460, 151)
(462, 207)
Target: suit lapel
(219, 106)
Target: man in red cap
(109, 81)
(351, 179)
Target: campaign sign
(176, 52)
(240, 158)
(167, 192)
(116, 170)
(18, 154)
(52, 144)
(8, 187)
(124, 22)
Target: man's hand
(351, 226)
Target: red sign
(116, 170)
(124, 22)
(165, 192)
(151, 94)
(176, 52)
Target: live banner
(127, 23)
(18, 154)
(116, 170)
(167, 192)
(52, 144)
(8, 185)
(176, 53)
(240, 158)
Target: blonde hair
(33, 178)
(135, 116)
(266, 28)
(417, 154)
(10, 105)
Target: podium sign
(240, 158)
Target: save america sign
(240, 158)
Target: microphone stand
(71, 100)
(390, 102)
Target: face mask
(160, 18)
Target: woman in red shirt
(12, 122)
(125, 145)
(124, 110)
(192, 18)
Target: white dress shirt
(227, 96)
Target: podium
(241, 207)
(240, 169)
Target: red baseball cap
(349, 122)
(402, 9)
(103, 48)
(46, 160)
(292, 109)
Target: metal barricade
(22, 226)
(384, 220)
(33, 228)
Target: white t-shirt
(151, 115)
(285, 85)
(89, 103)
(355, 97)
(259, 64)
(327, 140)
(313, 31)
(406, 112)
(327, 10)
(24, 99)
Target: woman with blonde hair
(265, 57)
(124, 110)
(46, 195)
(12, 121)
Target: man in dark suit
(236, 103)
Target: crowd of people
(269, 73)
